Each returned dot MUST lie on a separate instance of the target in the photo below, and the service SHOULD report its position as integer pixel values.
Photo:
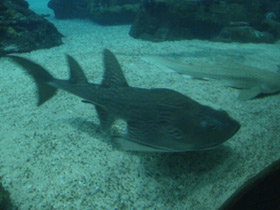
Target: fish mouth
(233, 128)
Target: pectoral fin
(106, 119)
(145, 137)
(141, 136)
(126, 144)
(246, 94)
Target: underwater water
(52, 157)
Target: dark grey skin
(159, 120)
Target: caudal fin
(40, 76)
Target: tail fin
(40, 75)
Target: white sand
(52, 158)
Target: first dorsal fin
(113, 75)
(76, 73)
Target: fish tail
(40, 75)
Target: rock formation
(216, 20)
(104, 12)
(22, 30)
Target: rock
(104, 12)
(216, 20)
(244, 34)
(67, 9)
(113, 12)
(272, 6)
(273, 22)
(259, 192)
(21, 30)
(5, 202)
(175, 20)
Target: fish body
(159, 120)
(251, 81)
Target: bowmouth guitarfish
(159, 120)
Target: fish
(157, 120)
(250, 81)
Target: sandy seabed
(51, 157)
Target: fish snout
(214, 129)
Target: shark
(157, 120)
(250, 81)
